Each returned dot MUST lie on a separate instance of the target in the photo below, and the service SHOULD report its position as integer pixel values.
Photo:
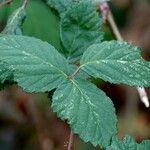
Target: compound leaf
(38, 67)
(79, 28)
(127, 143)
(116, 62)
(88, 110)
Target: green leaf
(145, 145)
(127, 143)
(38, 66)
(60, 5)
(88, 110)
(15, 21)
(79, 28)
(116, 62)
(5, 72)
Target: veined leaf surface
(5, 72)
(15, 21)
(88, 110)
(60, 5)
(80, 27)
(38, 66)
(116, 62)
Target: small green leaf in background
(14, 27)
(15, 21)
(127, 143)
(88, 110)
(79, 28)
(38, 66)
(116, 62)
(42, 23)
(36, 24)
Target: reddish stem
(70, 145)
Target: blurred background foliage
(27, 122)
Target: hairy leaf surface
(88, 110)
(127, 143)
(116, 62)
(15, 21)
(38, 66)
(80, 27)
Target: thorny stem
(6, 2)
(107, 15)
(75, 73)
(70, 144)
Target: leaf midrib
(51, 65)
(15, 16)
(92, 109)
(25, 53)
(85, 98)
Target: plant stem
(109, 17)
(70, 144)
(114, 27)
(5, 3)
(75, 73)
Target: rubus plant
(37, 66)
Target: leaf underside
(116, 62)
(88, 110)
